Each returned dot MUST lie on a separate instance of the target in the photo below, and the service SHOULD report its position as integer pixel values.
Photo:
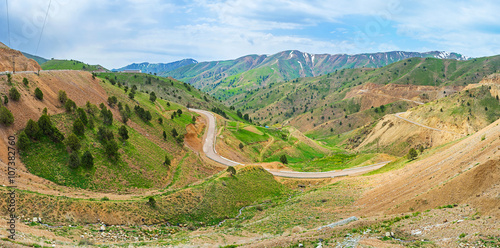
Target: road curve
(209, 143)
(210, 152)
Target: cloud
(115, 33)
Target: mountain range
(158, 68)
(255, 71)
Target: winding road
(210, 152)
(398, 115)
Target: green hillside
(62, 64)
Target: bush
(284, 159)
(164, 135)
(73, 142)
(6, 117)
(87, 160)
(14, 94)
(152, 201)
(45, 125)
(25, 82)
(78, 127)
(74, 160)
(180, 139)
(412, 154)
(160, 120)
(231, 170)
(174, 133)
(107, 116)
(23, 142)
(61, 95)
(241, 146)
(32, 129)
(91, 124)
(38, 94)
(123, 132)
(145, 115)
(5, 100)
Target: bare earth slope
(22, 63)
(465, 173)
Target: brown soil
(7, 56)
(193, 137)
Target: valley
(345, 151)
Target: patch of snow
(290, 55)
(300, 65)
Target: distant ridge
(288, 65)
(157, 67)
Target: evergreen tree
(61, 95)
(167, 161)
(152, 96)
(23, 141)
(32, 129)
(174, 133)
(87, 160)
(231, 170)
(73, 142)
(164, 135)
(78, 127)
(14, 94)
(123, 132)
(6, 117)
(284, 159)
(38, 94)
(74, 160)
(82, 116)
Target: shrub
(61, 95)
(179, 111)
(174, 133)
(23, 142)
(78, 127)
(14, 94)
(38, 94)
(284, 159)
(231, 170)
(91, 124)
(193, 119)
(131, 95)
(87, 160)
(152, 201)
(160, 120)
(45, 124)
(145, 115)
(6, 117)
(5, 100)
(123, 132)
(32, 129)
(412, 154)
(180, 139)
(73, 142)
(164, 135)
(107, 116)
(241, 145)
(25, 82)
(74, 160)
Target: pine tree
(87, 160)
(14, 94)
(38, 94)
(74, 160)
(6, 117)
(32, 129)
(284, 159)
(123, 132)
(412, 154)
(23, 142)
(73, 142)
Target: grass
(339, 161)
(58, 64)
(139, 165)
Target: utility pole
(13, 64)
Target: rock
(387, 234)
(35, 219)
(103, 228)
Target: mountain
(157, 67)
(256, 71)
(38, 59)
(341, 101)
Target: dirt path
(398, 115)
(209, 149)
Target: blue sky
(116, 33)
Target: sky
(115, 33)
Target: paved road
(398, 115)
(208, 144)
(210, 152)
